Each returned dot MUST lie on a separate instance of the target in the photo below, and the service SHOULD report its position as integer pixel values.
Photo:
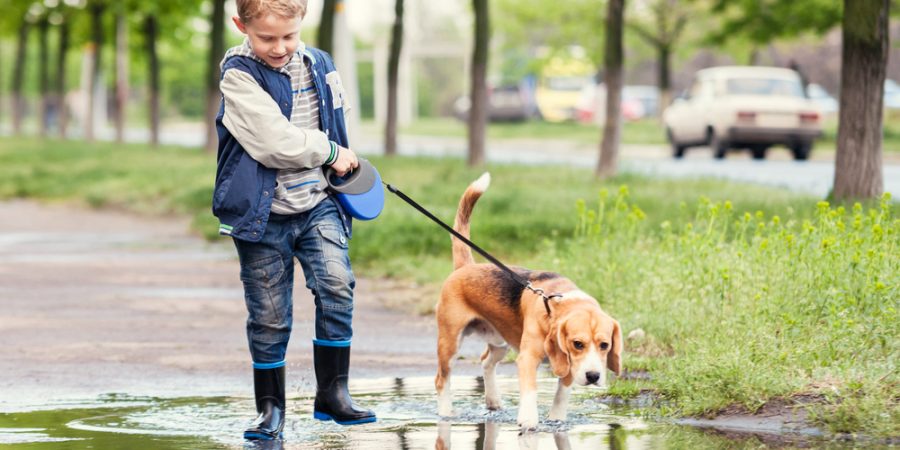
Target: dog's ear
(614, 358)
(555, 348)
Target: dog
(579, 339)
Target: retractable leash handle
(359, 192)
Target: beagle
(579, 339)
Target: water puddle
(407, 420)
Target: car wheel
(677, 149)
(801, 150)
(719, 146)
(759, 151)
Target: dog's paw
(494, 404)
(527, 421)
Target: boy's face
(273, 39)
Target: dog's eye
(578, 345)
(604, 345)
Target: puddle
(406, 411)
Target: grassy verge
(744, 293)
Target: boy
(281, 122)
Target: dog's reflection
(487, 438)
(276, 444)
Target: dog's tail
(462, 254)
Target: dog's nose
(592, 377)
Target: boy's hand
(346, 161)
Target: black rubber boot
(268, 384)
(333, 400)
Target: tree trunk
(62, 107)
(609, 146)
(858, 171)
(216, 51)
(44, 76)
(325, 36)
(18, 102)
(479, 95)
(121, 73)
(151, 32)
(665, 78)
(390, 127)
(97, 10)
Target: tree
(325, 35)
(216, 50)
(121, 70)
(613, 57)
(18, 103)
(390, 127)
(858, 166)
(661, 30)
(44, 74)
(96, 9)
(478, 95)
(151, 35)
(61, 107)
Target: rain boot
(268, 385)
(333, 400)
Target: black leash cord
(525, 283)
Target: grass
(745, 293)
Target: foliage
(746, 307)
(764, 22)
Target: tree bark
(61, 105)
(325, 35)
(858, 165)
(44, 75)
(96, 10)
(18, 100)
(213, 96)
(609, 146)
(390, 127)
(121, 74)
(479, 95)
(665, 78)
(151, 31)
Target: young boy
(281, 122)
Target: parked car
(638, 102)
(558, 96)
(739, 107)
(506, 103)
(891, 94)
(826, 103)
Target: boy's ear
(240, 25)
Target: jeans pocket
(335, 247)
(264, 272)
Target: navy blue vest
(242, 199)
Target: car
(827, 104)
(506, 103)
(891, 94)
(638, 102)
(744, 107)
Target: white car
(740, 107)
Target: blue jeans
(317, 239)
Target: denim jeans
(317, 239)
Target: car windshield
(567, 83)
(764, 86)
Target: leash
(518, 279)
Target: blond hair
(249, 10)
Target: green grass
(745, 293)
(746, 307)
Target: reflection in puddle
(406, 410)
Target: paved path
(98, 302)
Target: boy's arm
(256, 121)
